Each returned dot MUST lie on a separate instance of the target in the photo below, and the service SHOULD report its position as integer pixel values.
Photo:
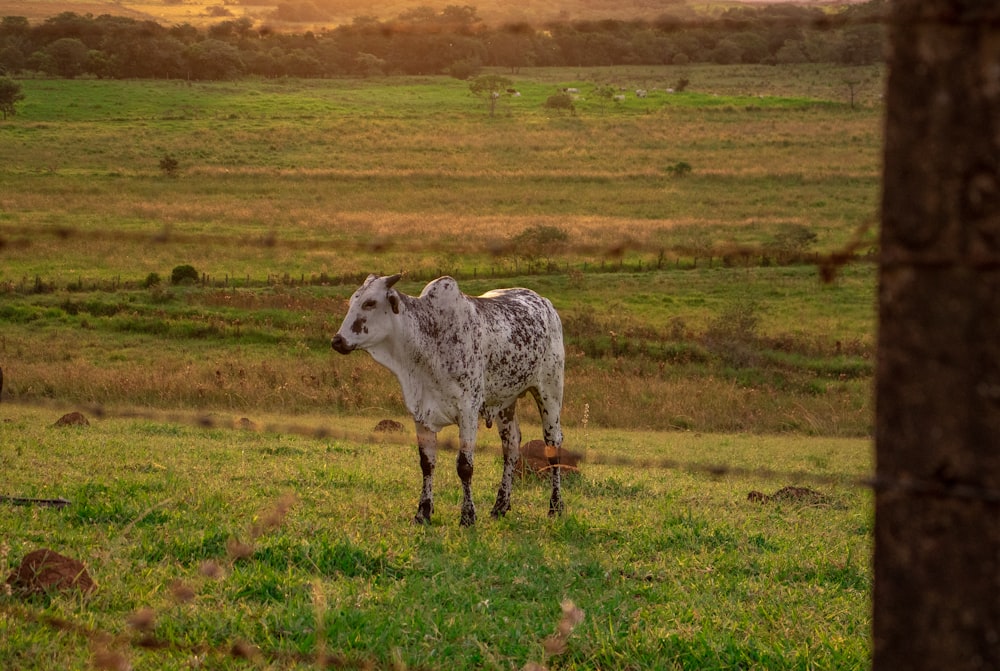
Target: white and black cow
(459, 358)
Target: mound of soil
(45, 571)
(804, 495)
(72, 419)
(388, 426)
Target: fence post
(937, 506)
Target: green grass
(673, 567)
(690, 341)
(662, 339)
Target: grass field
(698, 331)
(673, 288)
(192, 538)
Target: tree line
(427, 41)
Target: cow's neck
(402, 354)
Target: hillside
(315, 14)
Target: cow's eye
(369, 304)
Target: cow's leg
(549, 407)
(510, 437)
(466, 450)
(427, 444)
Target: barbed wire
(213, 421)
(541, 259)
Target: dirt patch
(72, 419)
(803, 495)
(45, 571)
(388, 426)
(246, 424)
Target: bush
(733, 334)
(169, 165)
(152, 280)
(560, 101)
(679, 169)
(540, 240)
(184, 275)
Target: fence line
(908, 486)
(511, 260)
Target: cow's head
(368, 315)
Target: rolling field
(707, 358)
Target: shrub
(539, 241)
(184, 275)
(560, 101)
(152, 280)
(679, 169)
(733, 334)
(169, 165)
(792, 242)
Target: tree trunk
(937, 526)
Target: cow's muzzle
(338, 343)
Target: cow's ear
(393, 301)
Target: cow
(460, 358)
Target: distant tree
(464, 69)
(490, 88)
(214, 59)
(67, 57)
(370, 65)
(726, 52)
(11, 59)
(10, 95)
(513, 47)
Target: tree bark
(937, 525)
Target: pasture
(202, 539)
(698, 329)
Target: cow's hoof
(555, 508)
(421, 520)
(468, 518)
(499, 511)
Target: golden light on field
(336, 12)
